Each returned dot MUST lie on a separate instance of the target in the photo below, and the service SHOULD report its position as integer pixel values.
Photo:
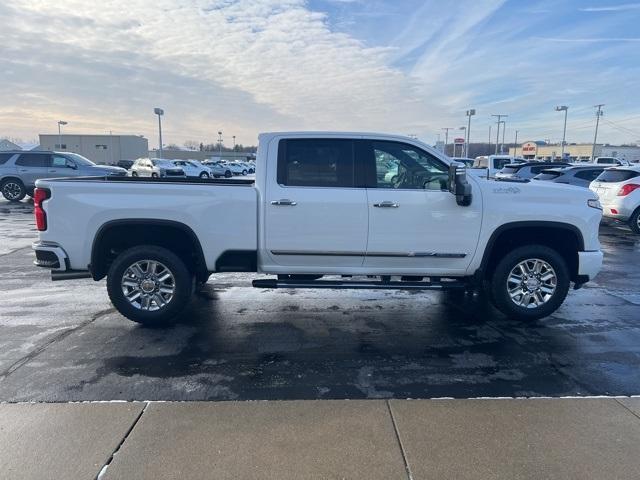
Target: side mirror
(458, 184)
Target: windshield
(614, 176)
(163, 163)
(79, 159)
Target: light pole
(60, 123)
(599, 113)
(565, 109)
(220, 144)
(498, 132)
(160, 113)
(489, 138)
(446, 138)
(470, 113)
(515, 144)
(234, 143)
(504, 129)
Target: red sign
(458, 140)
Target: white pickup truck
(323, 212)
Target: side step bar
(360, 285)
(69, 275)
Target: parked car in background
(579, 175)
(618, 189)
(192, 168)
(526, 170)
(156, 168)
(19, 170)
(236, 169)
(126, 164)
(250, 167)
(489, 166)
(242, 169)
(611, 161)
(468, 162)
(218, 169)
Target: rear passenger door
(315, 213)
(31, 167)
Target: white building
(104, 149)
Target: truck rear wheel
(149, 285)
(530, 282)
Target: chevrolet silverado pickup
(326, 210)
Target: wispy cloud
(612, 8)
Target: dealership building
(575, 152)
(103, 149)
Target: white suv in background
(156, 168)
(192, 168)
(618, 189)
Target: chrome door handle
(386, 204)
(284, 202)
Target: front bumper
(589, 264)
(50, 255)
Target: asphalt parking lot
(63, 341)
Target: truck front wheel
(149, 284)
(530, 282)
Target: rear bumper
(589, 264)
(51, 256)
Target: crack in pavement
(56, 338)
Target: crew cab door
(415, 224)
(315, 217)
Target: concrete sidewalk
(372, 439)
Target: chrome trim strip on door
(370, 254)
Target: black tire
(154, 175)
(134, 174)
(204, 175)
(634, 221)
(183, 284)
(244, 172)
(228, 174)
(13, 189)
(499, 289)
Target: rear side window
(316, 163)
(510, 169)
(614, 176)
(4, 157)
(589, 174)
(537, 170)
(548, 175)
(33, 160)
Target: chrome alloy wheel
(532, 283)
(148, 285)
(11, 190)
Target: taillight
(627, 189)
(39, 196)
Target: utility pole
(446, 138)
(515, 144)
(470, 113)
(159, 112)
(60, 123)
(565, 109)
(498, 132)
(599, 113)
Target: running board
(360, 285)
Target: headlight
(594, 203)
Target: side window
(33, 160)
(589, 174)
(58, 161)
(403, 166)
(537, 170)
(4, 157)
(316, 163)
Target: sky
(247, 66)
